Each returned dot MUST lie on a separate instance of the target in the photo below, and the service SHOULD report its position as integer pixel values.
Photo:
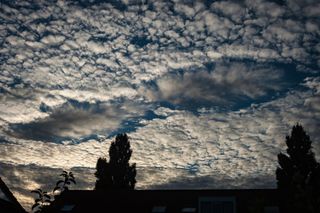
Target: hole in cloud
(76, 120)
(228, 85)
(132, 124)
(140, 41)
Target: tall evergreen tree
(117, 173)
(298, 172)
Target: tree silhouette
(298, 172)
(117, 173)
(63, 184)
(44, 199)
(41, 202)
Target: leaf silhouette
(73, 181)
(58, 182)
(47, 196)
(35, 205)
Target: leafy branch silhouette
(43, 200)
(65, 182)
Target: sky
(206, 90)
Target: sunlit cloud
(206, 90)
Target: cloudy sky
(206, 90)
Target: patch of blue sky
(130, 125)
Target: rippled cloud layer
(206, 90)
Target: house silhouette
(168, 201)
(8, 203)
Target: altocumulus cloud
(206, 91)
(224, 85)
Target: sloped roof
(8, 202)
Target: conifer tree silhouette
(298, 173)
(117, 173)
